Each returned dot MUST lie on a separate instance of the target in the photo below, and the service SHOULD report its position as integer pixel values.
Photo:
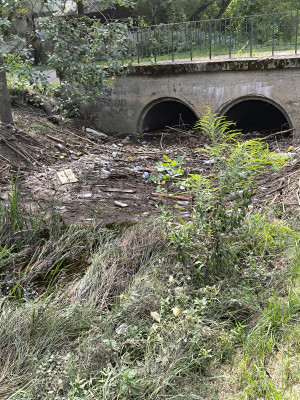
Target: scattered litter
(155, 316)
(183, 203)
(105, 173)
(122, 329)
(120, 204)
(85, 196)
(126, 178)
(145, 175)
(114, 154)
(96, 133)
(208, 162)
(67, 176)
(143, 142)
(60, 146)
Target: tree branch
(223, 8)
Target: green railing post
(296, 38)
(291, 29)
(141, 42)
(209, 39)
(191, 39)
(172, 43)
(273, 34)
(230, 22)
(138, 46)
(154, 44)
(251, 36)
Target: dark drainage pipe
(257, 116)
(168, 113)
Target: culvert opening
(168, 113)
(257, 116)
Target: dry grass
(86, 330)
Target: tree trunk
(223, 8)
(80, 7)
(5, 107)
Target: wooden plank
(70, 174)
(171, 196)
(118, 190)
(66, 176)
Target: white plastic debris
(120, 204)
(96, 133)
(85, 196)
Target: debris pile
(90, 176)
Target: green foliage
(251, 7)
(73, 45)
(131, 322)
(168, 11)
(222, 199)
(77, 44)
(168, 170)
(260, 342)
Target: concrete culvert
(168, 113)
(257, 116)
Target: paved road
(50, 75)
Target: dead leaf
(155, 316)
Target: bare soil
(111, 187)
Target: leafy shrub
(214, 233)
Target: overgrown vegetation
(34, 32)
(192, 306)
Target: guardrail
(247, 36)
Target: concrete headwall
(217, 84)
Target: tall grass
(102, 313)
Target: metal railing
(247, 36)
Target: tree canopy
(74, 45)
(168, 11)
(250, 7)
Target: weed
(130, 312)
(218, 218)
